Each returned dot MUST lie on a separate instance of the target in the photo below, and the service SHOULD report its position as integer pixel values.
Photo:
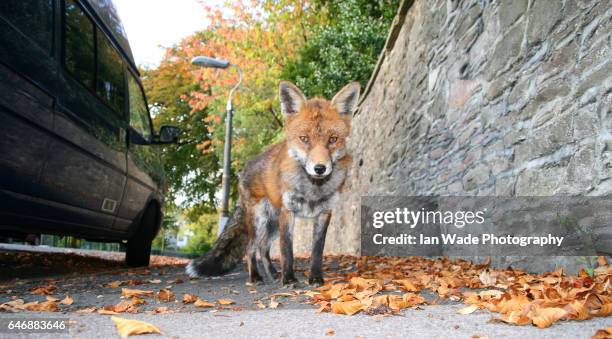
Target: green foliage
(345, 47)
(205, 234)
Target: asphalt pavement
(245, 318)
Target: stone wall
(505, 98)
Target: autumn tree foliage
(269, 40)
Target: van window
(139, 115)
(32, 18)
(110, 84)
(79, 44)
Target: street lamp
(223, 64)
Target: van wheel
(138, 249)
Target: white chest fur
(308, 198)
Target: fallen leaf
(346, 307)
(603, 333)
(43, 290)
(274, 303)
(128, 327)
(113, 284)
(260, 304)
(468, 310)
(67, 300)
(45, 306)
(225, 302)
(602, 260)
(138, 301)
(407, 285)
(514, 318)
(160, 310)
(166, 295)
(544, 317)
(329, 332)
(487, 278)
(128, 293)
(189, 298)
(202, 303)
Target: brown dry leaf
(577, 310)
(201, 303)
(274, 303)
(346, 307)
(87, 310)
(124, 306)
(510, 303)
(260, 304)
(407, 284)
(603, 333)
(128, 327)
(346, 297)
(189, 298)
(106, 312)
(544, 317)
(45, 306)
(43, 290)
(160, 310)
(605, 310)
(165, 295)
(67, 300)
(128, 293)
(468, 309)
(487, 278)
(225, 302)
(155, 281)
(489, 294)
(138, 301)
(50, 298)
(329, 332)
(514, 318)
(113, 284)
(602, 260)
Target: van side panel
(28, 71)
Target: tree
(344, 47)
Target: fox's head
(316, 129)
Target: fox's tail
(227, 251)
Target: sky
(150, 24)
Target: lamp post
(223, 64)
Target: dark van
(76, 154)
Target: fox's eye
(304, 139)
(333, 139)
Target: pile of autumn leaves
(388, 285)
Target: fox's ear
(346, 99)
(291, 98)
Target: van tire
(138, 249)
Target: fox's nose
(320, 169)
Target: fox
(301, 176)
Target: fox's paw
(315, 281)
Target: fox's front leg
(286, 222)
(319, 232)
